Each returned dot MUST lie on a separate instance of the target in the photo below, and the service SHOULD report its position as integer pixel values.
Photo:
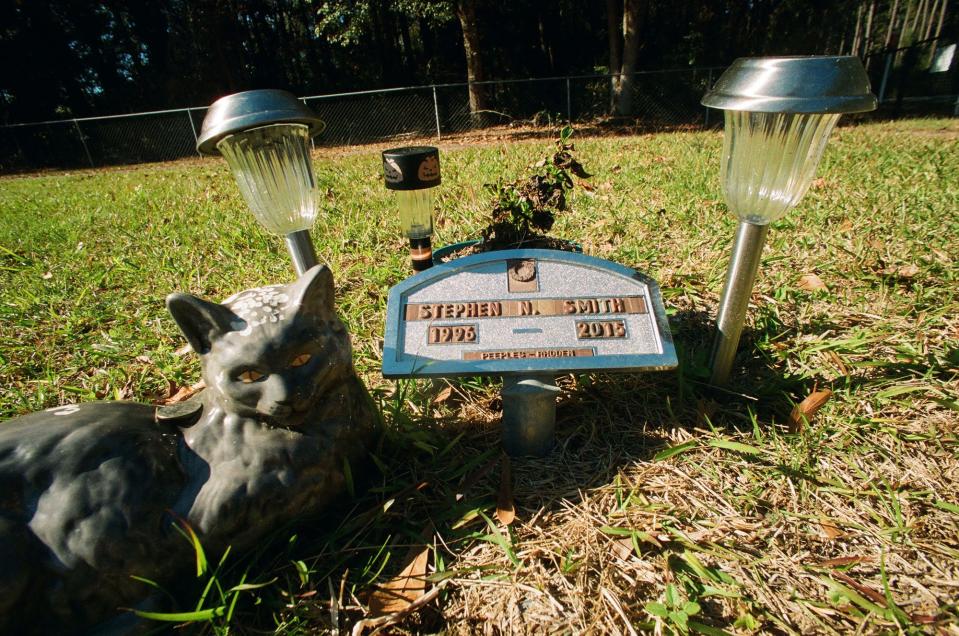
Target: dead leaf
(144, 359)
(874, 595)
(806, 410)
(836, 360)
(846, 226)
(505, 510)
(817, 183)
(443, 395)
(399, 592)
(182, 351)
(907, 271)
(830, 529)
(923, 619)
(183, 393)
(841, 561)
(623, 548)
(47, 276)
(811, 282)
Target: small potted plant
(525, 210)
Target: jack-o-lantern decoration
(429, 169)
(411, 168)
(391, 171)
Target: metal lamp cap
(253, 109)
(411, 168)
(812, 84)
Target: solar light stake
(779, 113)
(743, 266)
(413, 172)
(264, 135)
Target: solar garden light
(779, 113)
(264, 135)
(413, 172)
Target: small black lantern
(413, 172)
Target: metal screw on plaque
(412, 172)
(264, 135)
(779, 113)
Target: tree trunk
(867, 39)
(624, 97)
(892, 24)
(935, 42)
(615, 59)
(855, 38)
(466, 12)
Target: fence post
(569, 107)
(193, 128)
(84, 142)
(885, 78)
(436, 112)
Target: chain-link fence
(921, 79)
(662, 100)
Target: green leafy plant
(675, 612)
(217, 602)
(525, 207)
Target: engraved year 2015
(587, 329)
(457, 334)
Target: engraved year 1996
(458, 334)
(587, 329)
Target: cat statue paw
(89, 493)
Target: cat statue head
(268, 353)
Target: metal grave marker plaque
(522, 312)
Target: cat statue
(90, 493)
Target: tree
(466, 12)
(623, 82)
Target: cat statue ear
(201, 321)
(313, 292)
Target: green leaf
(674, 450)
(672, 596)
(303, 572)
(618, 532)
(680, 620)
(201, 563)
(243, 587)
(496, 537)
(707, 629)
(948, 507)
(691, 608)
(840, 591)
(183, 617)
(657, 609)
(899, 390)
(348, 477)
(737, 447)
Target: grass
(666, 507)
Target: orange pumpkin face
(429, 169)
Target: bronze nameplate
(600, 329)
(452, 334)
(520, 308)
(522, 354)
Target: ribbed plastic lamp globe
(264, 135)
(412, 172)
(779, 112)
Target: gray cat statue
(90, 493)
